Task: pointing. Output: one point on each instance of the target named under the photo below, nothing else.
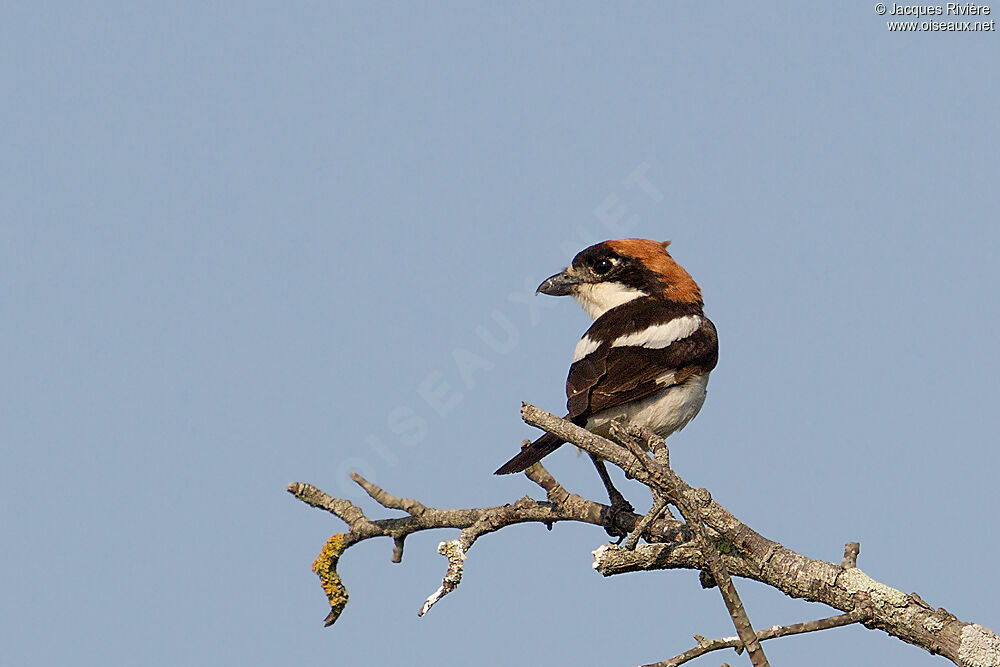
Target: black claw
(618, 506)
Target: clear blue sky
(236, 239)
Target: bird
(648, 354)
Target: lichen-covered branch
(473, 523)
(666, 483)
(669, 544)
(753, 556)
(455, 554)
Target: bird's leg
(618, 502)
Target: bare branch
(708, 645)
(664, 529)
(385, 499)
(340, 507)
(397, 548)
(754, 556)
(633, 538)
(473, 523)
(688, 503)
(455, 554)
(670, 545)
(851, 551)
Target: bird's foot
(618, 507)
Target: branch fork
(709, 540)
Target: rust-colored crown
(678, 283)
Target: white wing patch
(666, 378)
(584, 347)
(660, 336)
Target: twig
(340, 507)
(731, 598)
(386, 499)
(397, 548)
(666, 529)
(621, 434)
(708, 645)
(455, 554)
(633, 538)
(851, 551)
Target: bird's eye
(602, 266)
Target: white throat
(599, 298)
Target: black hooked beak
(560, 284)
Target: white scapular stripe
(660, 336)
(584, 347)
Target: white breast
(664, 412)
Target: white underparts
(666, 411)
(599, 298)
(660, 336)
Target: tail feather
(531, 454)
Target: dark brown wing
(612, 376)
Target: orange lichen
(325, 566)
